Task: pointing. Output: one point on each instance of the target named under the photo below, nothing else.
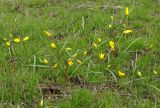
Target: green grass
(77, 24)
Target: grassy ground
(34, 74)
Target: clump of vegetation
(52, 48)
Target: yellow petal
(127, 11)
(101, 56)
(111, 44)
(53, 45)
(11, 35)
(45, 61)
(8, 44)
(47, 33)
(155, 72)
(55, 66)
(139, 74)
(26, 38)
(151, 46)
(108, 66)
(110, 26)
(17, 40)
(68, 49)
(80, 62)
(112, 18)
(5, 39)
(95, 45)
(121, 74)
(99, 40)
(127, 31)
(70, 62)
(41, 102)
(85, 52)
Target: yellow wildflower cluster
(100, 48)
(13, 39)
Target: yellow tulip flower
(112, 45)
(70, 62)
(127, 11)
(17, 40)
(128, 31)
(121, 74)
(101, 56)
(53, 45)
(8, 44)
(47, 33)
(26, 38)
(45, 61)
